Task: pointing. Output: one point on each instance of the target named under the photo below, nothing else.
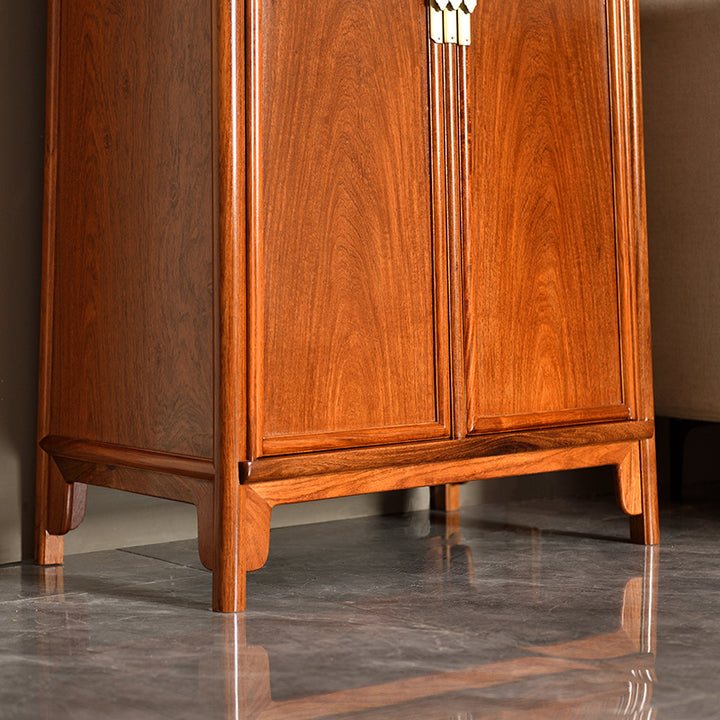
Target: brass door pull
(450, 21)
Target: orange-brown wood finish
(49, 540)
(290, 255)
(540, 251)
(352, 342)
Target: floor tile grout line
(130, 551)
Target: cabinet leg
(252, 532)
(445, 497)
(637, 492)
(206, 526)
(229, 527)
(59, 508)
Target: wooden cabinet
(298, 251)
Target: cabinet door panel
(351, 252)
(542, 318)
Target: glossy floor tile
(529, 610)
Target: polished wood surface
(291, 256)
(224, 530)
(493, 445)
(133, 302)
(540, 258)
(352, 274)
(49, 545)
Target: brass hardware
(464, 13)
(450, 26)
(450, 21)
(436, 20)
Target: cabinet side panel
(349, 258)
(133, 318)
(542, 319)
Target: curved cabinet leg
(206, 529)
(637, 492)
(257, 532)
(60, 507)
(49, 547)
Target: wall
(681, 84)
(22, 48)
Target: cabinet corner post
(230, 374)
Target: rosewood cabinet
(298, 251)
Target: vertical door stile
(443, 307)
(454, 154)
(464, 138)
(617, 86)
(254, 275)
(629, 208)
(646, 405)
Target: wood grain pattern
(231, 410)
(355, 460)
(133, 305)
(630, 211)
(155, 484)
(105, 453)
(540, 264)
(353, 279)
(355, 482)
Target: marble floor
(528, 610)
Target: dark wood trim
(432, 472)
(312, 442)
(181, 488)
(629, 205)
(48, 546)
(107, 454)
(504, 423)
(499, 444)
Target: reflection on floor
(526, 610)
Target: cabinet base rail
(268, 482)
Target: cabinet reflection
(601, 675)
(468, 639)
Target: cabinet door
(542, 316)
(350, 343)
